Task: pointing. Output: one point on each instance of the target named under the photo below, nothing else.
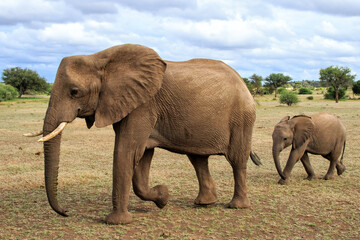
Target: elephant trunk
(51, 157)
(276, 154)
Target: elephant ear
(132, 75)
(285, 118)
(303, 128)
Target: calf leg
(334, 158)
(308, 168)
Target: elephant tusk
(53, 133)
(33, 134)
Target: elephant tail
(342, 156)
(255, 158)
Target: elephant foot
(206, 198)
(310, 177)
(239, 203)
(328, 177)
(283, 182)
(118, 218)
(340, 168)
(163, 195)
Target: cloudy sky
(296, 38)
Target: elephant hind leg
(334, 158)
(207, 189)
(340, 168)
(239, 199)
(330, 173)
(238, 155)
(158, 194)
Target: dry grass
(302, 210)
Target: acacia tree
(249, 85)
(277, 80)
(336, 77)
(24, 79)
(256, 82)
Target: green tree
(256, 82)
(249, 85)
(268, 89)
(24, 80)
(277, 80)
(336, 77)
(289, 98)
(330, 93)
(356, 88)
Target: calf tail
(342, 156)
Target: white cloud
(253, 36)
(333, 7)
(32, 11)
(59, 34)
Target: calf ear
(303, 128)
(285, 118)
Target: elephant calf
(321, 134)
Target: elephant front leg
(207, 189)
(158, 194)
(308, 168)
(122, 174)
(294, 157)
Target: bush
(281, 90)
(310, 98)
(330, 94)
(7, 92)
(289, 98)
(356, 88)
(305, 90)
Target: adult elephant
(321, 134)
(199, 107)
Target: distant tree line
(335, 79)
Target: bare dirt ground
(304, 209)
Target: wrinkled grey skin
(199, 108)
(320, 134)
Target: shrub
(289, 98)
(7, 92)
(305, 90)
(281, 90)
(356, 88)
(330, 94)
(310, 98)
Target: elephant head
(103, 88)
(295, 132)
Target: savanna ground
(304, 209)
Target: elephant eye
(74, 92)
(285, 139)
